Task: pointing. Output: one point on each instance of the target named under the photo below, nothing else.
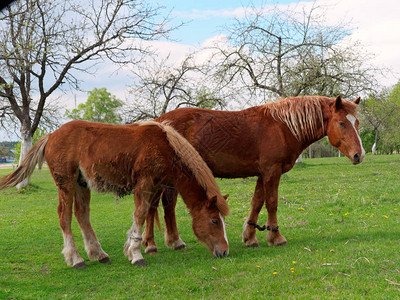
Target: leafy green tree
(100, 106)
(380, 114)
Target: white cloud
(374, 23)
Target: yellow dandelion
(293, 262)
(332, 250)
(300, 208)
(258, 266)
(275, 273)
(385, 216)
(331, 214)
(346, 214)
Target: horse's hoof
(140, 263)
(180, 247)
(251, 242)
(253, 245)
(80, 265)
(280, 243)
(105, 260)
(277, 241)
(151, 250)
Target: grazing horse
(262, 141)
(145, 158)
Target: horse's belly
(232, 167)
(108, 180)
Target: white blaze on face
(223, 225)
(353, 120)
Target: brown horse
(145, 158)
(262, 141)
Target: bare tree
(288, 54)
(44, 44)
(161, 87)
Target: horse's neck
(191, 191)
(300, 145)
(320, 132)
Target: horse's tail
(34, 157)
(192, 159)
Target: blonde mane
(302, 115)
(192, 159)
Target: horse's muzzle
(356, 159)
(218, 253)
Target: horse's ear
(212, 202)
(226, 196)
(338, 102)
(357, 101)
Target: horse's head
(209, 225)
(342, 129)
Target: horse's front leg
(249, 232)
(171, 237)
(134, 235)
(274, 237)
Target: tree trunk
(26, 144)
(375, 142)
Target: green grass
(341, 221)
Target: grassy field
(342, 223)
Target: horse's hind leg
(148, 235)
(64, 210)
(172, 238)
(82, 214)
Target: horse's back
(227, 140)
(110, 157)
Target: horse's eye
(215, 222)
(341, 124)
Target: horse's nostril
(221, 254)
(356, 157)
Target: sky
(375, 23)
